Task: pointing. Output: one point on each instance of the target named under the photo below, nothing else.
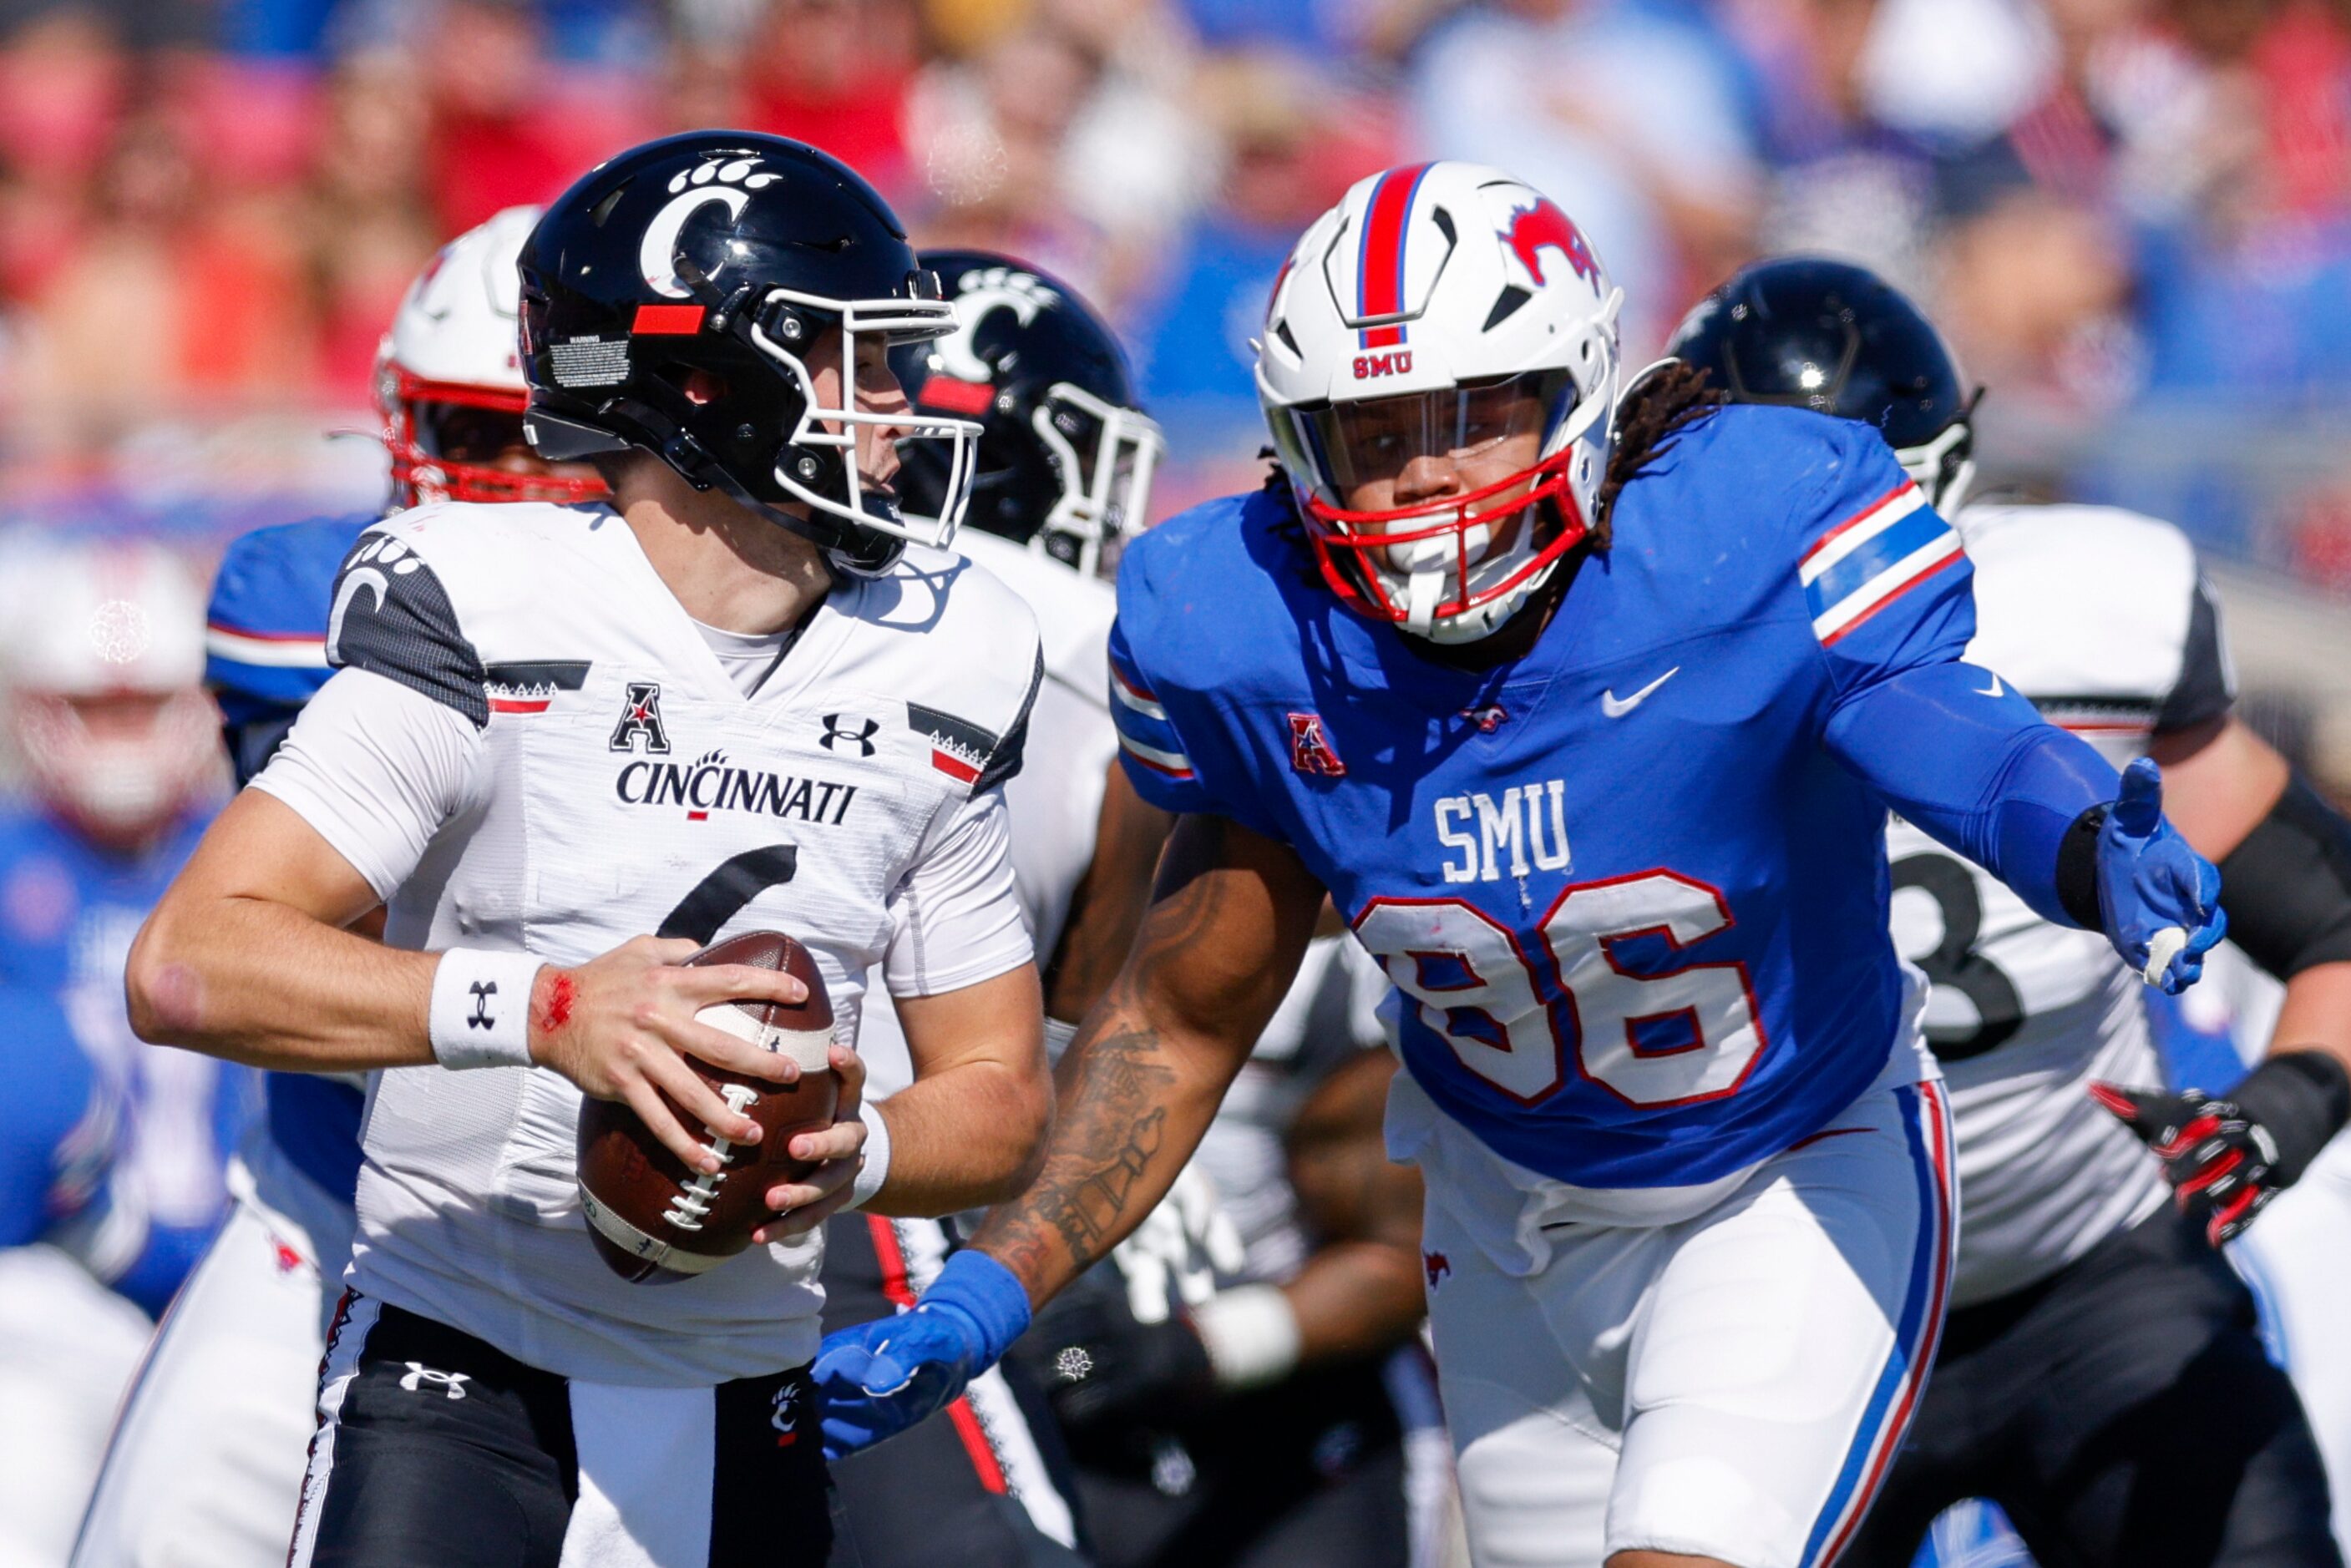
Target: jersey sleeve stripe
(280, 650)
(1858, 530)
(1916, 1335)
(1862, 567)
(1847, 615)
(1174, 764)
(1132, 696)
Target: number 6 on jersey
(1656, 1035)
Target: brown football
(652, 1218)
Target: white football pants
(2297, 1258)
(67, 1347)
(1731, 1384)
(205, 1467)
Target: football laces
(692, 1204)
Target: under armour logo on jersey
(1436, 1266)
(482, 991)
(1310, 750)
(837, 736)
(641, 718)
(451, 1384)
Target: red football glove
(2226, 1159)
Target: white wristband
(1057, 1036)
(873, 1168)
(480, 1015)
(1251, 1332)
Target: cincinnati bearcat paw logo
(731, 171)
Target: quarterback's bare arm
(245, 958)
(1228, 922)
(2284, 856)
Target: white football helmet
(104, 655)
(1414, 319)
(449, 379)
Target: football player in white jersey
(1064, 469)
(566, 746)
(206, 1461)
(2100, 1377)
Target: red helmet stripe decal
(1379, 268)
(958, 396)
(667, 320)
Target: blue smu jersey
(58, 1118)
(161, 1122)
(265, 629)
(1636, 908)
(264, 657)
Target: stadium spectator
(1627, 117)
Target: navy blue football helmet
(672, 300)
(1065, 457)
(1839, 339)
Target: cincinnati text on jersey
(710, 782)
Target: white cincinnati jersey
(1055, 804)
(2100, 618)
(530, 747)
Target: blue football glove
(2160, 899)
(879, 1378)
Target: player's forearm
(1137, 1094)
(1354, 1299)
(1232, 916)
(2316, 1014)
(1955, 751)
(266, 984)
(963, 1137)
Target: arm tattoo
(1113, 1126)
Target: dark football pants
(1308, 1473)
(951, 1488)
(434, 1447)
(2123, 1414)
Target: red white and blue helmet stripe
(1380, 253)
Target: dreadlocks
(1657, 408)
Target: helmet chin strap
(870, 555)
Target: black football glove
(2226, 1159)
(1105, 1372)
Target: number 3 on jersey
(1605, 985)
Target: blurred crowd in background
(2133, 216)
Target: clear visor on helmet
(840, 427)
(1373, 442)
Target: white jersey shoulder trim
(972, 649)
(1073, 611)
(2095, 613)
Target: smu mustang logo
(1544, 227)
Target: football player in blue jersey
(2074, 1273)
(1587, 717)
(181, 1477)
(111, 1151)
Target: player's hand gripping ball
(651, 1216)
(2161, 899)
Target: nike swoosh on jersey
(1995, 688)
(1617, 708)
